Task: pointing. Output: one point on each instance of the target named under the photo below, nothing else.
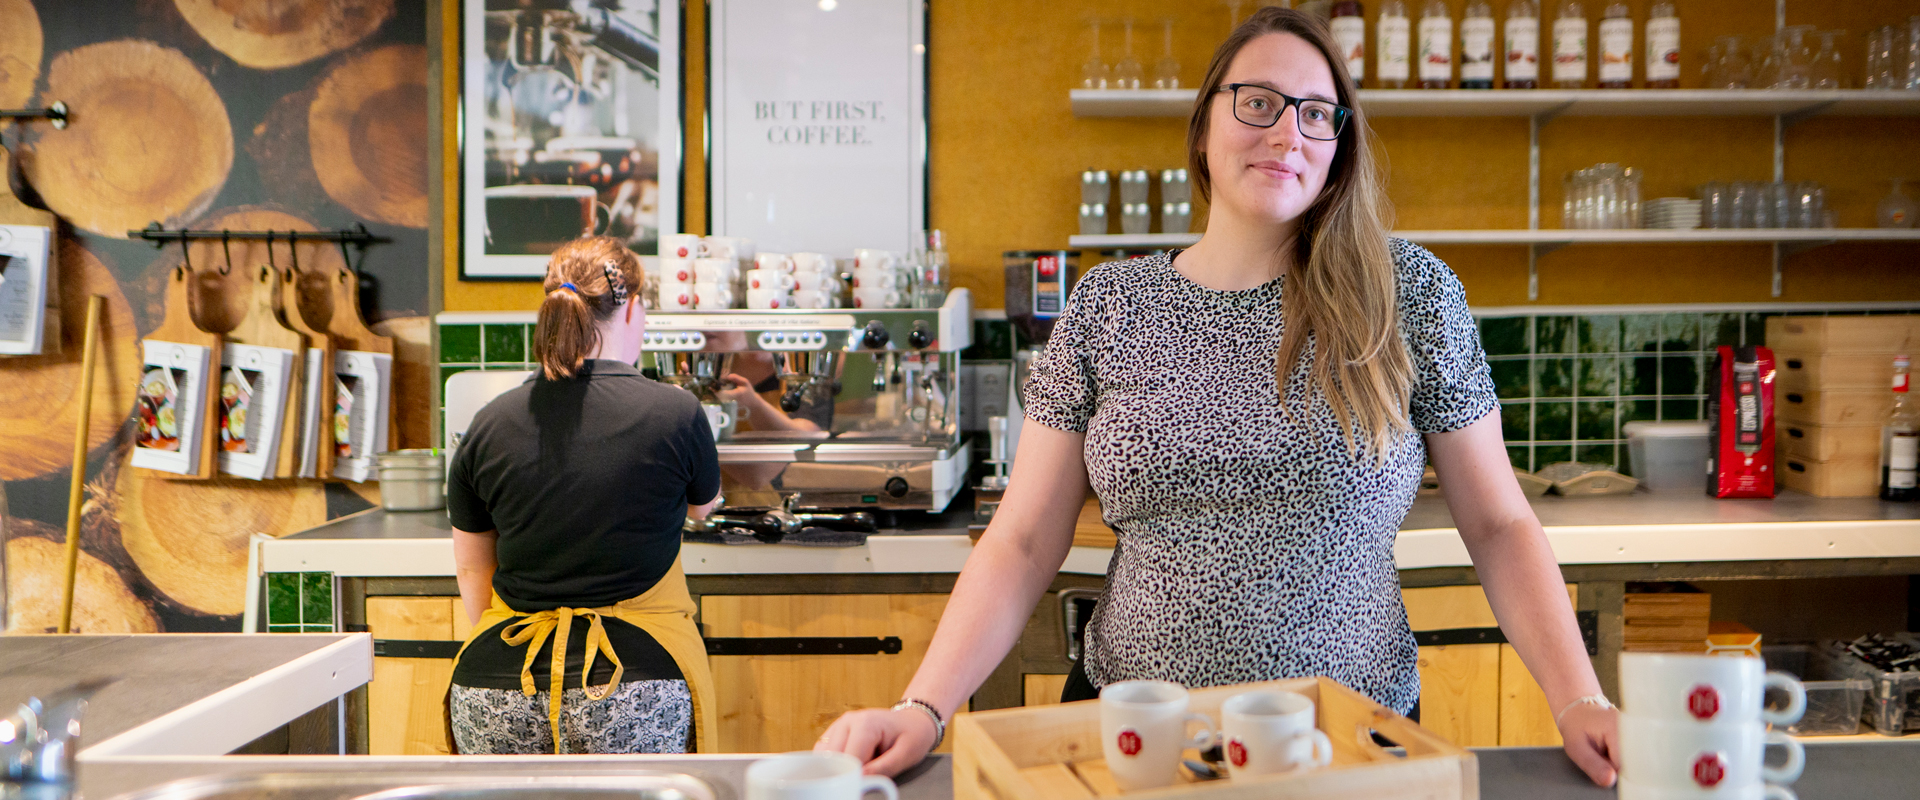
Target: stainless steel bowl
(412, 480)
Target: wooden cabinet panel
(1043, 690)
(771, 704)
(1525, 718)
(405, 700)
(1460, 691)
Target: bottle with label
(1436, 46)
(1393, 38)
(1663, 46)
(1900, 441)
(1523, 45)
(1570, 46)
(1476, 46)
(1616, 47)
(1350, 32)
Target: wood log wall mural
(204, 114)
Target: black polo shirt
(587, 481)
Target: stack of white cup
(880, 280)
(1695, 728)
(678, 252)
(701, 273)
(770, 282)
(816, 281)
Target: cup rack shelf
(1545, 104)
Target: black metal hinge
(1589, 622)
(415, 648)
(805, 646)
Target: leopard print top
(1253, 545)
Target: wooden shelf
(1546, 103)
(1558, 237)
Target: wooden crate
(1054, 752)
(1822, 443)
(1832, 372)
(1834, 408)
(1665, 622)
(1880, 333)
(1846, 477)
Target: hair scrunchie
(571, 287)
(615, 283)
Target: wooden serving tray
(1054, 752)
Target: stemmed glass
(1093, 72)
(1128, 72)
(1166, 72)
(1770, 58)
(1826, 73)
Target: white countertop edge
(216, 724)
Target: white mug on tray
(1271, 732)
(1143, 728)
(814, 776)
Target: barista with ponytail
(566, 498)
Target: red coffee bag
(1740, 409)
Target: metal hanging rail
(358, 235)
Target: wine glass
(1826, 73)
(1166, 72)
(1128, 72)
(1094, 73)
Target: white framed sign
(819, 123)
(572, 127)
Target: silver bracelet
(1589, 700)
(939, 725)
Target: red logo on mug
(1709, 769)
(1237, 752)
(1129, 742)
(1703, 702)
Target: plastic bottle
(1393, 37)
(1900, 441)
(1436, 46)
(1523, 45)
(1350, 32)
(1896, 211)
(1663, 46)
(1616, 47)
(1570, 46)
(1476, 46)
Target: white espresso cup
(682, 245)
(676, 296)
(718, 419)
(780, 262)
(1143, 728)
(1706, 689)
(770, 280)
(813, 282)
(1268, 733)
(878, 279)
(1688, 755)
(716, 270)
(769, 299)
(712, 296)
(814, 262)
(676, 270)
(1629, 790)
(734, 247)
(868, 258)
(878, 298)
(814, 776)
(812, 300)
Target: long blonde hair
(1342, 289)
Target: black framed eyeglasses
(1262, 107)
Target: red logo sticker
(1703, 702)
(1129, 742)
(1047, 266)
(1237, 752)
(1709, 769)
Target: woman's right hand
(886, 741)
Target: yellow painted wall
(1007, 152)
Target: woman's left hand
(1592, 735)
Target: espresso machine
(883, 386)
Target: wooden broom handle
(76, 489)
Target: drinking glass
(1912, 83)
(1569, 200)
(1714, 205)
(1630, 206)
(1094, 73)
(1713, 69)
(1796, 59)
(1879, 70)
(1128, 72)
(1781, 205)
(1770, 53)
(1166, 72)
(1810, 205)
(1736, 68)
(1826, 73)
(1742, 196)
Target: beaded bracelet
(1590, 700)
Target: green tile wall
(300, 602)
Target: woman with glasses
(1255, 413)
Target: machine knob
(790, 402)
(876, 336)
(896, 487)
(920, 337)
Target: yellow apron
(665, 612)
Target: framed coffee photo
(572, 115)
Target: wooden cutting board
(287, 307)
(180, 327)
(265, 327)
(15, 212)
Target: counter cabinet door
(406, 701)
(779, 703)
(1474, 694)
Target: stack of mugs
(700, 273)
(1695, 728)
(802, 280)
(881, 280)
(1143, 729)
(816, 281)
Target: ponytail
(587, 280)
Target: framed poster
(819, 123)
(572, 127)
